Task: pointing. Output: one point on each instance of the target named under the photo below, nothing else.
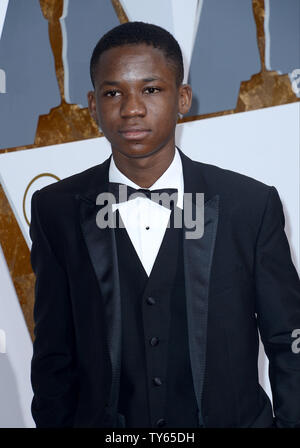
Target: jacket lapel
(198, 255)
(101, 245)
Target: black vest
(156, 386)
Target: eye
(112, 93)
(151, 90)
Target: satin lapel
(101, 246)
(198, 255)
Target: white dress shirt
(146, 221)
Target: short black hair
(134, 33)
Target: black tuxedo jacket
(239, 279)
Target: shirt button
(157, 381)
(151, 301)
(154, 341)
(161, 422)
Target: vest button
(151, 301)
(157, 381)
(154, 341)
(161, 422)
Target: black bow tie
(123, 193)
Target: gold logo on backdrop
(29, 185)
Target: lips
(134, 133)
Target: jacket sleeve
(278, 312)
(53, 367)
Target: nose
(133, 106)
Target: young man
(139, 325)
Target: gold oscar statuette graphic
(264, 89)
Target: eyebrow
(117, 83)
(156, 78)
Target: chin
(138, 153)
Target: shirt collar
(171, 178)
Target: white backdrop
(15, 388)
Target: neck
(144, 171)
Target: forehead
(129, 62)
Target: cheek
(163, 110)
(107, 115)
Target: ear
(184, 98)
(92, 105)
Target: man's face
(136, 100)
